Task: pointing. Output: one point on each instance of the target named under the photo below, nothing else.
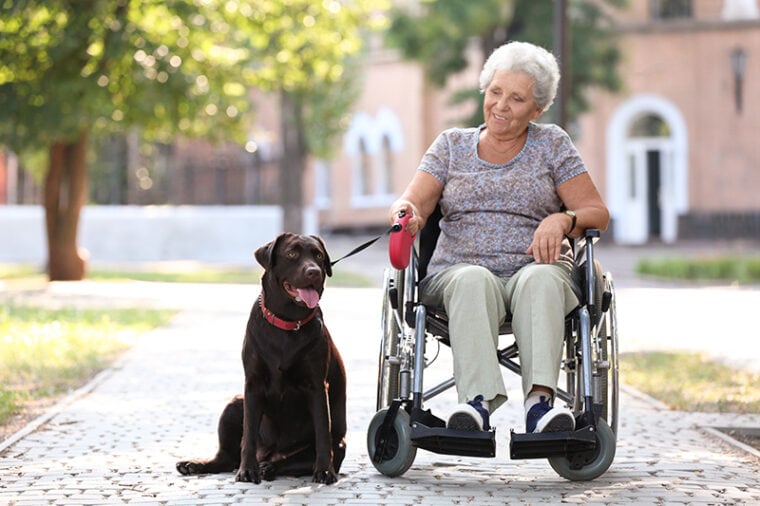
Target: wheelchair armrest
(590, 236)
(586, 268)
(590, 233)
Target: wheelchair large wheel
(609, 354)
(399, 452)
(388, 367)
(593, 464)
(604, 363)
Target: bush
(744, 270)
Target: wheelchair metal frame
(592, 385)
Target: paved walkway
(116, 440)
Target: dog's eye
(292, 254)
(320, 256)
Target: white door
(668, 191)
(648, 210)
(632, 222)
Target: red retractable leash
(399, 243)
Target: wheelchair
(589, 367)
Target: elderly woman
(510, 191)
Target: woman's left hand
(547, 239)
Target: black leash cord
(395, 228)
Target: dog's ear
(328, 263)
(265, 254)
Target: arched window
(371, 144)
(365, 168)
(387, 166)
(649, 125)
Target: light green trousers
(538, 297)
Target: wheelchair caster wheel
(399, 452)
(587, 466)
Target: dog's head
(297, 265)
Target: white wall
(126, 234)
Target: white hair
(533, 60)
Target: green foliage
(109, 64)
(593, 54)
(739, 269)
(437, 35)
(327, 110)
(168, 66)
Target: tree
(439, 42)
(304, 50)
(70, 69)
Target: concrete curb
(647, 399)
(734, 442)
(62, 404)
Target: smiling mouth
(306, 295)
(500, 118)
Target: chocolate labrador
(291, 420)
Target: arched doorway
(646, 170)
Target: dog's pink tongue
(309, 296)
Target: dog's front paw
(327, 476)
(267, 471)
(188, 467)
(248, 474)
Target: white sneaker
(544, 418)
(472, 416)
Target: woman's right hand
(418, 200)
(415, 223)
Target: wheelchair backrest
(428, 239)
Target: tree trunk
(292, 164)
(65, 193)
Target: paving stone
(118, 442)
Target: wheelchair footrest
(454, 442)
(551, 444)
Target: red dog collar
(279, 322)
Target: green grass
(196, 274)
(45, 352)
(14, 271)
(737, 269)
(691, 382)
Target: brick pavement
(117, 440)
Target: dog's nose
(313, 272)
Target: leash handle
(400, 244)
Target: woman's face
(508, 105)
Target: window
(386, 165)
(322, 186)
(670, 9)
(365, 168)
(649, 125)
(372, 143)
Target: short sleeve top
(491, 211)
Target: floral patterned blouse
(490, 211)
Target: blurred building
(397, 117)
(675, 153)
(679, 145)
